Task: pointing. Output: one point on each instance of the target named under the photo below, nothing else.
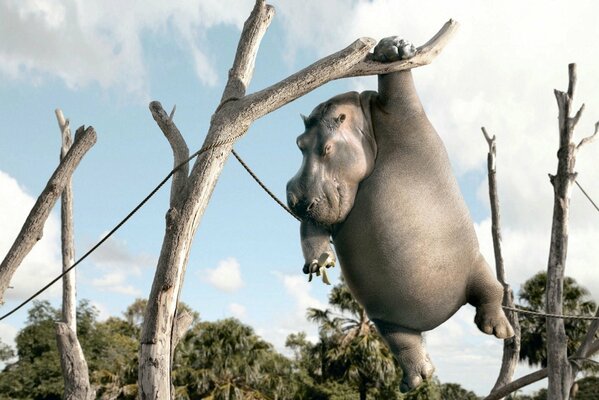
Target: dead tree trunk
(32, 229)
(561, 374)
(511, 346)
(561, 370)
(190, 194)
(72, 361)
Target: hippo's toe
(491, 319)
(416, 372)
(393, 48)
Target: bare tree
(561, 369)
(74, 367)
(32, 229)
(190, 193)
(511, 346)
(561, 372)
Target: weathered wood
(536, 376)
(354, 60)
(179, 147)
(511, 346)
(229, 122)
(69, 289)
(74, 367)
(72, 361)
(32, 229)
(560, 372)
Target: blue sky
(102, 62)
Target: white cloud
(116, 264)
(226, 276)
(43, 263)
(115, 282)
(237, 310)
(84, 42)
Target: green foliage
(534, 334)
(218, 360)
(453, 391)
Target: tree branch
(69, 289)
(254, 29)
(178, 145)
(352, 61)
(511, 346)
(425, 55)
(32, 229)
(589, 139)
(536, 376)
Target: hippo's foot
(406, 345)
(392, 49)
(318, 267)
(416, 366)
(491, 319)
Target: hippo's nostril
(311, 205)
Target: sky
(102, 62)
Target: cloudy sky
(101, 62)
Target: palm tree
(350, 348)
(534, 335)
(226, 360)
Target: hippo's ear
(305, 119)
(340, 118)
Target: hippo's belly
(407, 247)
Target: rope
(263, 186)
(123, 221)
(545, 315)
(587, 196)
(273, 196)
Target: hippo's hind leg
(407, 346)
(486, 294)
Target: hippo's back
(408, 244)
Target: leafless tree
(191, 192)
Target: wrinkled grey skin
(376, 177)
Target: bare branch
(574, 120)
(182, 324)
(74, 366)
(424, 56)
(536, 376)
(352, 61)
(32, 229)
(511, 346)
(69, 290)
(241, 73)
(492, 149)
(589, 139)
(178, 145)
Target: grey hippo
(376, 178)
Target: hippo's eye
(326, 150)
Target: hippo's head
(339, 150)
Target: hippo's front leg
(316, 248)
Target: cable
(122, 222)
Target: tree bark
(74, 367)
(32, 229)
(511, 346)
(69, 289)
(560, 372)
(230, 121)
(72, 360)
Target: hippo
(376, 178)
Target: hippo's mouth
(331, 207)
